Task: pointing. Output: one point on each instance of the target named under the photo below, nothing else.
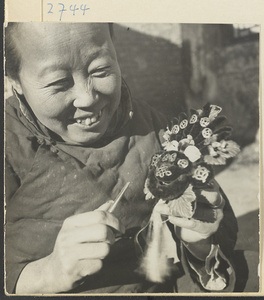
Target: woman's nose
(85, 95)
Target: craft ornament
(179, 173)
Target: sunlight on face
(70, 77)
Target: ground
(240, 181)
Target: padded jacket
(47, 181)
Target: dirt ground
(240, 182)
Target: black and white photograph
(131, 158)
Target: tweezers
(118, 198)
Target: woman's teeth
(89, 121)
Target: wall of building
(174, 66)
(222, 70)
(150, 60)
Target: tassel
(160, 246)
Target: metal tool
(118, 198)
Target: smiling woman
(72, 143)
(71, 79)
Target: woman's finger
(94, 217)
(189, 235)
(88, 267)
(92, 233)
(183, 222)
(106, 205)
(198, 226)
(91, 251)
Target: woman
(73, 139)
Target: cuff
(13, 272)
(215, 273)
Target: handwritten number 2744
(72, 8)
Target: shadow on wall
(221, 69)
(152, 68)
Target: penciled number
(61, 8)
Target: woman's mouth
(88, 121)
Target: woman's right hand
(82, 243)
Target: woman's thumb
(106, 205)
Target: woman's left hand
(192, 230)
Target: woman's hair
(12, 56)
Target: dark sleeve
(12, 180)
(12, 183)
(18, 160)
(226, 235)
(13, 272)
(216, 272)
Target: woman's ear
(16, 85)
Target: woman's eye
(103, 72)
(62, 84)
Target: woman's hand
(82, 243)
(192, 230)
(195, 234)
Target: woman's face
(70, 77)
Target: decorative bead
(175, 129)
(183, 124)
(193, 119)
(162, 171)
(172, 157)
(207, 132)
(201, 173)
(168, 173)
(204, 122)
(165, 157)
(155, 160)
(183, 163)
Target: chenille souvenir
(179, 174)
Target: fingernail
(110, 202)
